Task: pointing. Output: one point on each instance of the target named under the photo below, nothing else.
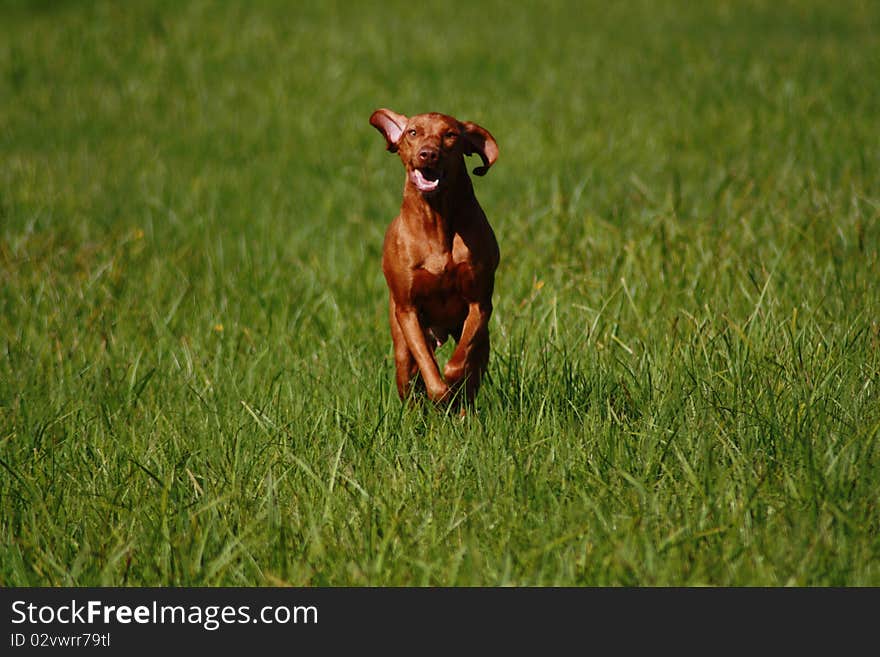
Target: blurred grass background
(196, 385)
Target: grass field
(196, 382)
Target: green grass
(196, 382)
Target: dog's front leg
(471, 355)
(408, 320)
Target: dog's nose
(428, 155)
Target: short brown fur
(440, 255)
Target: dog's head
(432, 146)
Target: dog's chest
(442, 286)
(439, 265)
(442, 274)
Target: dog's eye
(451, 136)
(412, 132)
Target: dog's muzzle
(426, 179)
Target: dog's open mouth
(426, 179)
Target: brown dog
(440, 254)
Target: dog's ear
(478, 140)
(390, 124)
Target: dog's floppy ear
(478, 140)
(390, 124)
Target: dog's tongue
(424, 183)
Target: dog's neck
(438, 211)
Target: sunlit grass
(196, 383)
